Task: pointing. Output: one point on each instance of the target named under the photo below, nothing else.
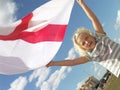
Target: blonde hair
(77, 47)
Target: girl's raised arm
(96, 24)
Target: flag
(34, 40)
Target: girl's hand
(51, 63)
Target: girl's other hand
(51, 63)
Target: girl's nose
(86, 42)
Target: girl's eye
(83, 43)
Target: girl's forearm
(61, 63)
(76, 61)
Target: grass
(113, 83)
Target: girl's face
(86, 41)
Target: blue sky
(60, 78)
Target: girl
(91, 47)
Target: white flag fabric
(33, 41)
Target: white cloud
(54, 80)
(42, 72)
(42, 77)
(117, 24)
(71, 54)
(7, 11)
(45, 86)
(18, 84)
